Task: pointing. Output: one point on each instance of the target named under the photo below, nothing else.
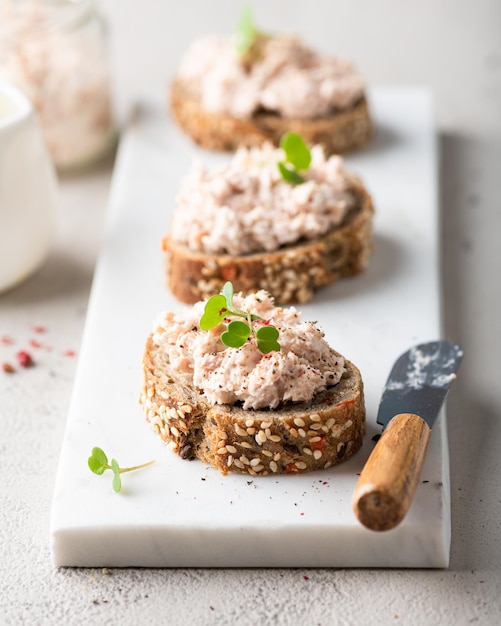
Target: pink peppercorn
(24, 358)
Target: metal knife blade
(419, 381)
(412, 399)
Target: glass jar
(55, 51)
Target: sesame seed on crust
(219, 435)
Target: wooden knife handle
(386, 486)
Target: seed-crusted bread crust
(342, 131)
(291, 274)
(294, 438)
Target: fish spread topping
(304, 365)
(246, 206)
(286, 77)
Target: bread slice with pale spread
(226, 94)
(188, 373)
(245, 223)
(292, 273)
(339, 132)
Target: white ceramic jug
(27, 190)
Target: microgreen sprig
(247, 33)
(220, 307)
(297, 158)
(98, 463)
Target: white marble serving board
(180, 514)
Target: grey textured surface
(455, 47)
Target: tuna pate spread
(247, 207)
(304, 366)
(286, 78)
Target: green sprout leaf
(246, 31)
(98, 461)
(297, 158)
(220, 307)
(290, 175)
(266, 338)
(296, 151)
(227, 291)
(236, 334)
(98, 464)
(215, 311)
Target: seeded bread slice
(340, 132)
(290, 274)
(292, 439)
